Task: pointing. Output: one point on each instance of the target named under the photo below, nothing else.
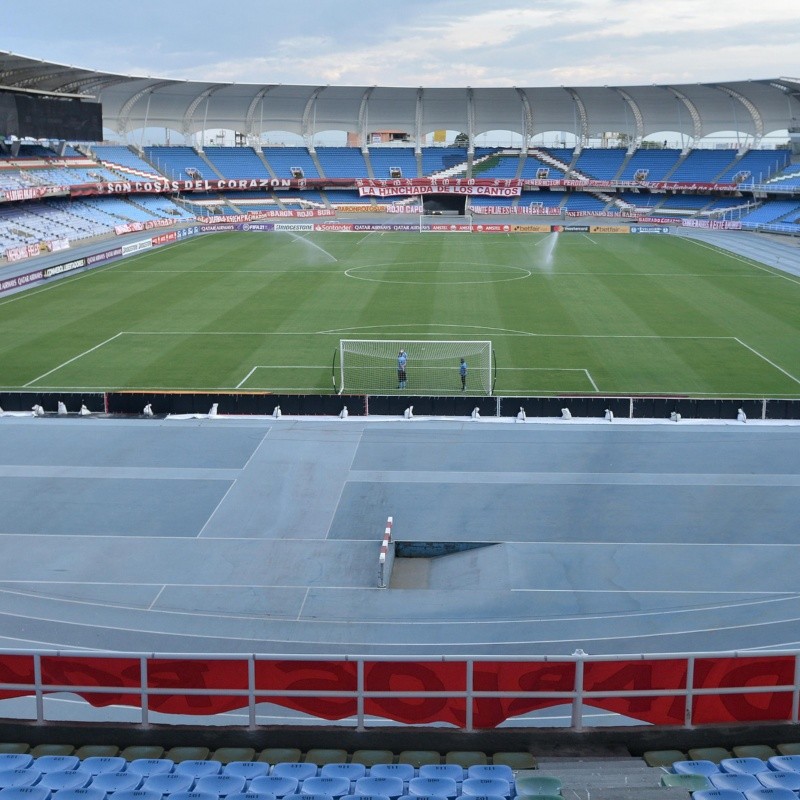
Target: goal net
(416, 367)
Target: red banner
(725, 689)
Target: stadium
(409, 466)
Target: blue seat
(784, 763)
(247, 796)
(25, 793)
(502, 771)
(335, 787)
(435, 787)
(117, 781)
(454, 771)
(770, 794)
(15, 761)
(738, 781)
(18, 777)
(350, 771)
(273, 784)
(477, 787)
(221, 785)
(66, 779)
(695, 768)
(718, 794)
(246, 769)
(194, 796)
(150, 766)
(773, 779)
(743, 766)
(134, 794)
(390, 787)
(56, 763)
(98, 764)
(86, 793)
(167, 783)
(299, 770)
(311, 797)
(199, 769)
(374, 797)
(403, 771)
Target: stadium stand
(237, 162)
(124, 160)
(175, 161)
(603, 164)
(386, 159)
(755, 166)
(772, 211)
(342, 162)
(654, 164)
(436, 160)
(703, 165)
(284, 160)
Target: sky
(415, 42)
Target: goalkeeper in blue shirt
(462, 371)
(402, 359)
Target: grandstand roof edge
(756, 106)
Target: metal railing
(468, 693)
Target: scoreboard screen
(50, 118)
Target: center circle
(440, 273)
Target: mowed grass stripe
(671, 328)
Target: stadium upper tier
(754, 108)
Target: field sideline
(566, 313)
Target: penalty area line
(771, 363)
(74, 358)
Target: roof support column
(309, 124)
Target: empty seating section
(693, 202)
(789, 177)
(755, 166)
(284, 160)
(497, 166)
(534, 168)
(237, 162)
(124, 160)
(602, 164)
(655, 163)
(773, 211)
(641, 199)
(583, 201)
(476, 201)
(342, 162)
(440, 159)
(346, 196)
(563, 154)
(703, 165)
(174, 161)
(386, 159)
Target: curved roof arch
(130, 102)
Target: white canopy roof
(753, 108)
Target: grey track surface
(233, 535)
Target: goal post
(427, 367)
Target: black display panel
(50, 118)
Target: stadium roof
(753, 108)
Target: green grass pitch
(566, 313)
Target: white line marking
(771, 363)
(74, 358)
(591, 380)
(586, 235)
(160, 591)
(246, 377)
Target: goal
(432, 367)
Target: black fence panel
(25, 401)
(783, 409)
(586, 407)
(694, 408)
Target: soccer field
(566, 313)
